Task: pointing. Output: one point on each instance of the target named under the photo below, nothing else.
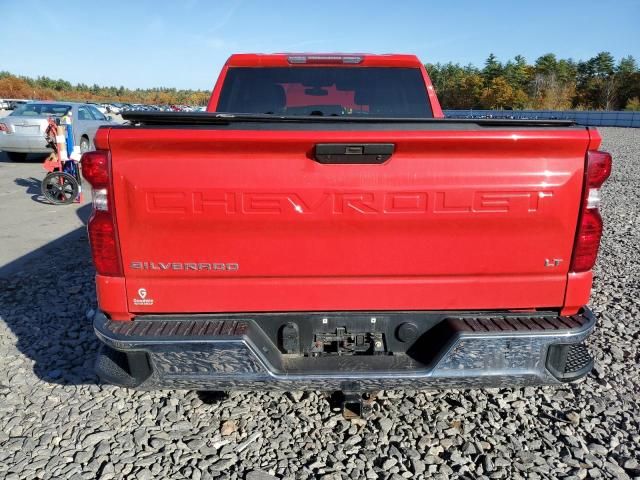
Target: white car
(23, 131)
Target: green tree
(547, 64)
(517, 72)
(492, 68)
(596, 83)
(627, 81)
(447, 79)
(566, 70)
(603, 64)
(500, 94)
(627, 65)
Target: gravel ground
(56, 421)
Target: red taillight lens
(587, 241)
(598, 168)
(104, 244)
(103, 235)
(3, 127)
(587, 244)
(95, 168)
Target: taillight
(103, 235)
(3, 127)
(104, 244)
(95, 168)
(589, 233)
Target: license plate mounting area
(343, 343)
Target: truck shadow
(46, 297)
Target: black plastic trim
(569, 362)
(213, 118)
(353, 153)
(128, 369)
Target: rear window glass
(35, 109)
(326, 91)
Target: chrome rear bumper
(457, 349)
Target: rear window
(326, 91)
(36, 109)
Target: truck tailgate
(230, 220)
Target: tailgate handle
(359, 153)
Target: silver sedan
(22, 132)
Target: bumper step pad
(569, 362)
(518, 323)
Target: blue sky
(183, 43)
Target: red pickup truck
(322, 226)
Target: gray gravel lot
(56, 421)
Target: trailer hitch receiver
(353, 404)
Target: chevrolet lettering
(210, 202)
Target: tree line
(45, 88)
(599, 83)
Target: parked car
(13, 104)
(101, 108)
(137, 107)
(4, 105)
(22, 131)
(113, 108)
(341, 234)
